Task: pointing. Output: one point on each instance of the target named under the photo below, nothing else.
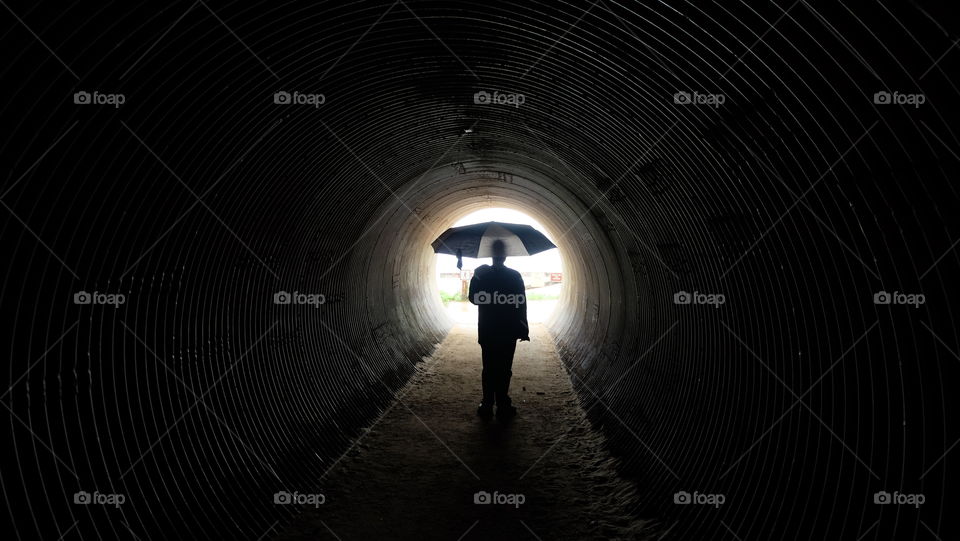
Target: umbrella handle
(459, 259)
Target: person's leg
(504, 372)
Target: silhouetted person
(499, 295)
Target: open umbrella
(475, 240)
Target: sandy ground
(415, 472)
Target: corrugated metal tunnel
(799, 196)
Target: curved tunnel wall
(200, 199)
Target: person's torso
(499, 299)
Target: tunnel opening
(542, 273)
(599, 262)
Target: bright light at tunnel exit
(542, 273)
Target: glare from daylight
(542, 273)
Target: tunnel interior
(202, 197)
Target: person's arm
(523, 310)
(475, 286)
(473, 289)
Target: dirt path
(415, 474)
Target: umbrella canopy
(476, 240)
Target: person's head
(499, 250)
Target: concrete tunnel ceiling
(200, 198)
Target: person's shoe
(485, 411)
(506, 412)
